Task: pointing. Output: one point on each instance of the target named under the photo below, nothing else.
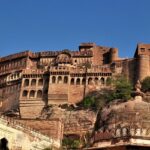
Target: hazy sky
(63, 24)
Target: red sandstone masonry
(102, 63)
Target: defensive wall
(37, 79)
(23, 137)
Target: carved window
(90, 81)
(53, 79)
(102, 80)
(39, 94)
(40, 83)
(72, 81)
(33, 82)
(32, 94)
(66, 79)
(96, 81)
(124, 131)
(78, 81)
(118, 132)
(26, 82)
(59, 79)
(25, 93)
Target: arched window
(39, 94)
(90, 81)
(33, 82)
(53, 79)
(59, 79)
(78, 81)
(96, 81)
(72, 81)
(83, 81)
(118, 132)
(40, 82)
(102, 80)
(25, 93)
(26, 82)
(124, 131)
(32, 94)
(66, 79)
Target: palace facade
(32, 80)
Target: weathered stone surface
(51, 127)
(24, 137)
(75, 121)
(125, 123)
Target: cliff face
(77, 122)
(134, 112)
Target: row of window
(33, 82)
(78, 81)
(65, 80)
(13, 76)
(12, 64)
(32, 94)
(11, 89)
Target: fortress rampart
(37, 79)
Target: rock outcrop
(124, 123)
(75, 121)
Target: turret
(143, 66)
(113, 54)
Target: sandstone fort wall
(31, 81)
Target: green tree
(88, 102)
(109, 81)
(146, 84)
(123, 88)
(70, 143)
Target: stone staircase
(23, 137)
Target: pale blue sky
(60, 24)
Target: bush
(146, 84)
(122, 89)
(70, 143)
(109, 81)
(88, 102)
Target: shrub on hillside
(70, 143)
(122, 89)
(146, 84)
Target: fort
(36, 79)
(31, 82)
